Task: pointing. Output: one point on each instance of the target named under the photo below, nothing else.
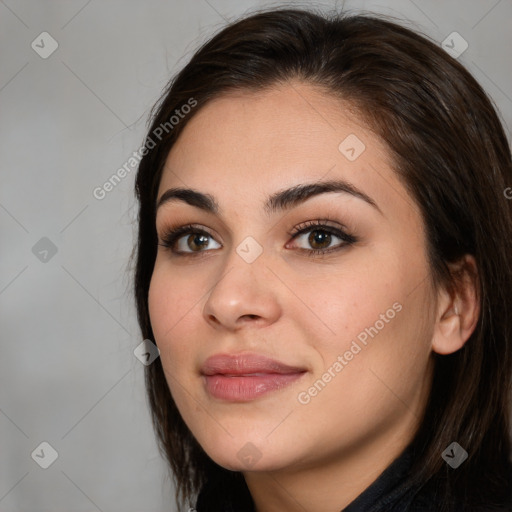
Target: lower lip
(247, 388)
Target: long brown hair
(450, 150)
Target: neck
(332, 482)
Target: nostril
(213, 318)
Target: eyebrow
(279, 201)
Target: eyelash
(172, 235)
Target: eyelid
(323, 222)
(171, 235)
(176, 232)
(340, 231)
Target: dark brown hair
(450, 151)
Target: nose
(245, 294)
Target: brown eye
(187, 240)
(319, 239)
(196, 241)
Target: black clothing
(390, 492)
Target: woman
(323, 263)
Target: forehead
(250, 144)
(295, 122)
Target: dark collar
(391, 487)
(392, 491)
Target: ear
(458, 310)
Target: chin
(251, 461)
(245, 453)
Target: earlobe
(458, 312)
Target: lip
(244, 377)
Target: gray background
(68, 375)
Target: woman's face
(346, 304)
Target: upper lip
(242, 364)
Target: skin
(302, 310)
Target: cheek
(171, 302)
(171, 297)
(375, 323)
(348, 302)
(161, 305)
(173, 317)
(374, 367)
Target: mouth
(242, 388)
(245, 377)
